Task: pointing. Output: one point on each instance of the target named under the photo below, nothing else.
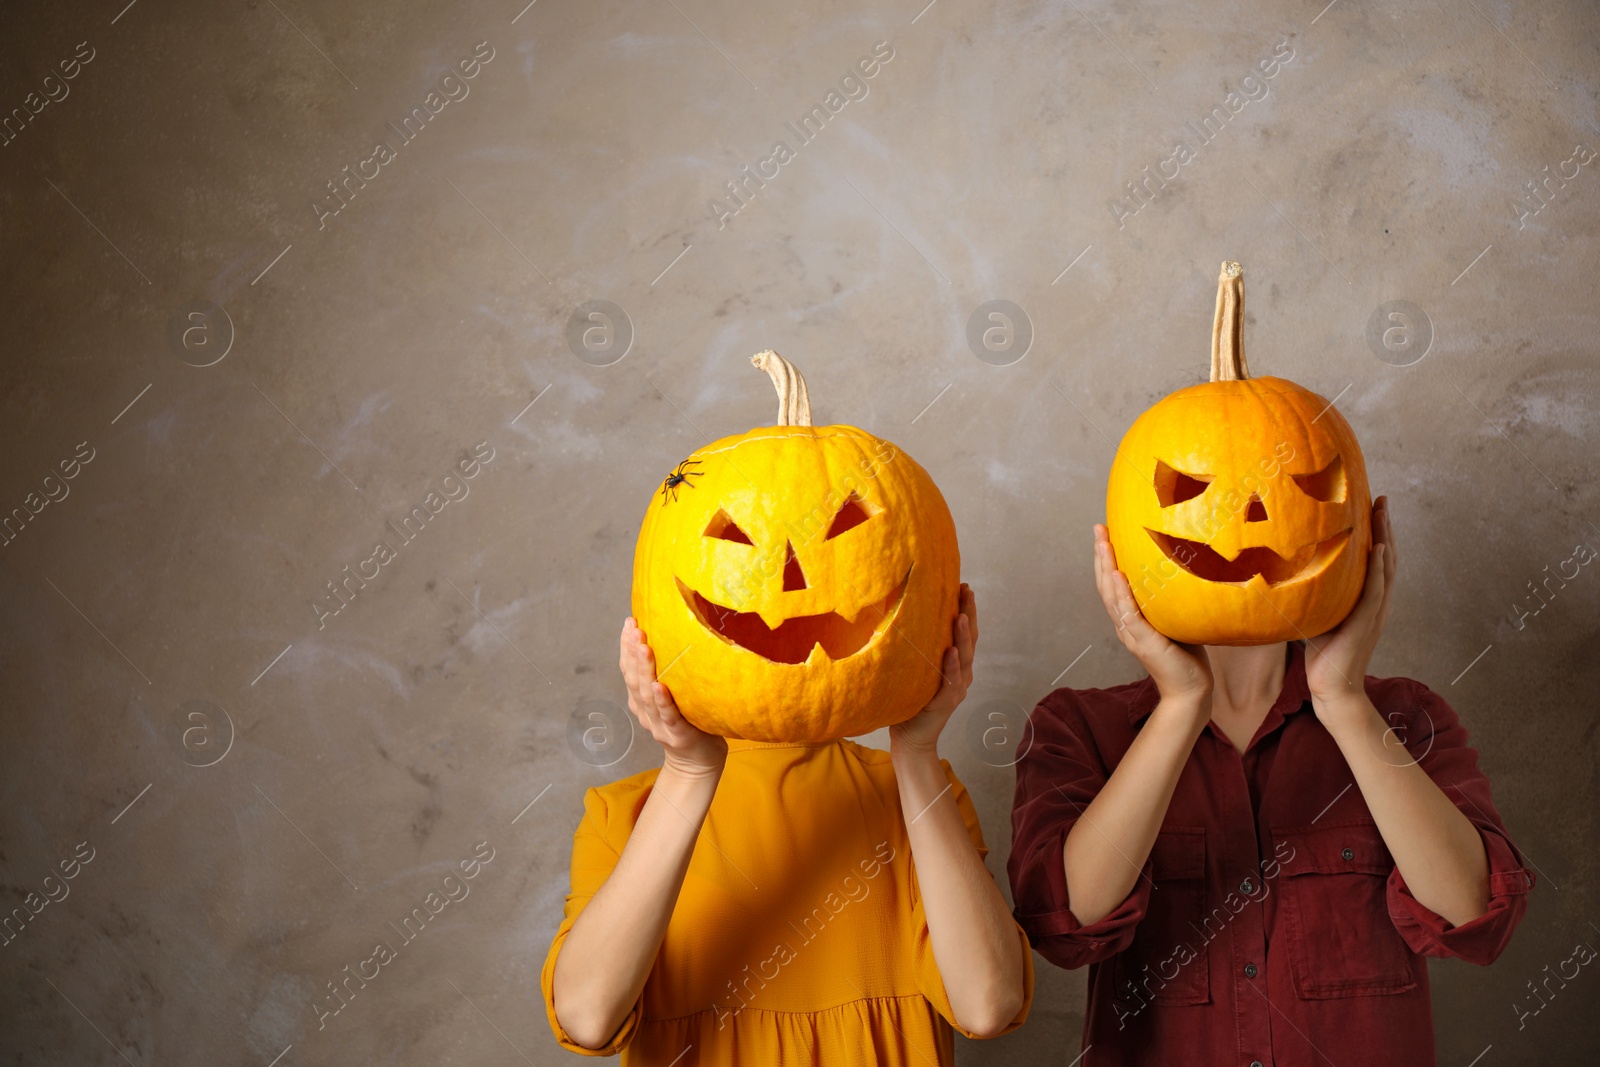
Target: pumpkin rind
(783, 486)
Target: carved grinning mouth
(792, 640)
(1203, 561)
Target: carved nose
(794, 579)
(1257, 511)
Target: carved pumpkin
(797, 582)
(1238, 508)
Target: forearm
(1438, 850)
(975, 941)
(1106, 849)
(613, 944)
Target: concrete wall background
(354, 764)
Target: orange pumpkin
(797, 582)
(1238, 508)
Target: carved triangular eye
(1174, 486)
(723, 527)
(851, 513)
(1327, 484)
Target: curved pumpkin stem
(794, 405)
(1227, 332)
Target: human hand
(690, 751)
(1336, 662)
(920, 733)
(1181, 672)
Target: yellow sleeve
(928, 978)
(593, 859)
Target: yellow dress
(799, 936)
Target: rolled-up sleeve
(1059, 775)
(1439, 742)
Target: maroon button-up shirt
(1269, 924)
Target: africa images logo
(453, 88)
(1142, 193)
(343, 592)
(852, 88)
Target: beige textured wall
(355, 759)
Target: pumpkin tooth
(875, 613)
(772, 618)
(1204, 561)
(794, 639)
(872, 612)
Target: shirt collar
(1292, 698)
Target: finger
(1125, 604)
(965, 653)
(643, 676)
(969, 607)
(1387, 576)
(649, 713)
(948, 665)
(1105, 558)
(1382, 532)
(1099, 561)
(667, 709)
(660, 696)
(1393, 560)
(964, 644)
(950, 671)
(1111, 551)
(1373, 594)
(1103, 571)
(626, 660)
(1129, 618)
(642, 711)
(1386, 529)
(646, 666)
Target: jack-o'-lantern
(1238, 507)
(797, 582)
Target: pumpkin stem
(1227, 332)
(794, 405)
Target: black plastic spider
(680, 476)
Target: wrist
(689, 776)
(1335, 684)
(689, 792)
(1346, 715)
(1192, 709)
(904, 750)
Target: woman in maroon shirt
(1253, 847)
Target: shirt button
(1348, 854)
(1249, 970)
(1255, 1063)
(1247, 887)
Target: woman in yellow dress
(785, 903)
